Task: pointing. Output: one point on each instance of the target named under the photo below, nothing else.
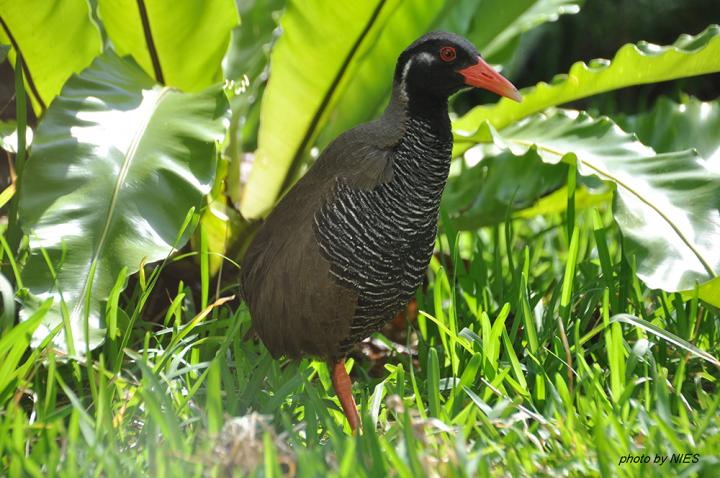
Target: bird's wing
(296, 306)
(372, 167)
(361, 157)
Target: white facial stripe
(424, 57)
(406, 68)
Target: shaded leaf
(246, 65)
(633, 64)
(481, 195)
(56, 39)
(501, 22)
(251, 40)
(179, 44)
(667, 205)
(666, 336)
(116, 165)
(671, 126)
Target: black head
(439, 64)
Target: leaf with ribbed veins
(117, 163)
(667, 205)
(312, 61)
(633, 64)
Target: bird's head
(439, 64)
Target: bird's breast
(379, 241)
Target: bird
(346, 248)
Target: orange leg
(343, 389)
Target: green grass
(522, 366)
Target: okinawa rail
(347, 247)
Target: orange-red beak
(481, 75)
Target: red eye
(447, 53)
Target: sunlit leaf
(311, 62)
(7, 315)
(56, 39)
(116, 165)
(633, 64)
(671, 126)
(369, 86)
(709, 292)
(180, 44)
(557, 201)
(222, 225)
(667, 205)
(8, 136)
(323, 102)
(14, 342)
(490, 25)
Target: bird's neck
(423, 150)
(408, 108)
